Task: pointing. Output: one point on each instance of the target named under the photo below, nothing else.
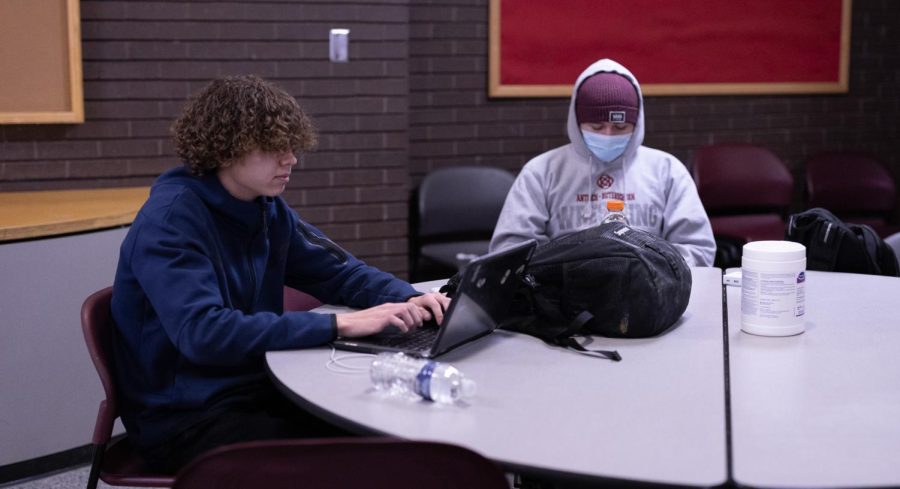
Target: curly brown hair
(234, 116)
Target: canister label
(773, 298)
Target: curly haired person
(198, 293)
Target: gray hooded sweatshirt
(565, 190)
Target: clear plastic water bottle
(615, 212)
(404, 376)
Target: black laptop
(481, 302)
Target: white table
(656, 416)
(820, 409)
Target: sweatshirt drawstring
(588, 211)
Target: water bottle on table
(615, 209)
(408, 377)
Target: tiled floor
(70, 479)
(73, 479)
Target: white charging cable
(350, 363)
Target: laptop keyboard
(420, 339)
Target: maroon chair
(746, 191)
(855, 187)
(360, 463)
(116, 463)
(294, 300)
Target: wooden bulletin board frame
(548, 44)
(40, 62)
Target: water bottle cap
(467, 388)
(615, 205)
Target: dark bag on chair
(610, 280)
(835, 246)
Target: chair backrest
(115, 463)
(741, 178)
(461, 200)
(359, 463)
(294, 300)
(848, 183)
(97, 326)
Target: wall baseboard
(45, 465)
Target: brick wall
(452, 120)
(143, 59)
(413, 98)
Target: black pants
(265, 418)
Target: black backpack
(835, 246)
(609, 280)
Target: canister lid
(774, 250)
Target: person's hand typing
(432, 304)
(404, 315)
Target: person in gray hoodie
(566, 189)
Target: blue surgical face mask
(606, 148)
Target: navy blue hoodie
(198, 299)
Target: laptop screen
(483, 296)
(481, 302)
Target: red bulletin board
(683, 47)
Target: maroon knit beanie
(606, 97)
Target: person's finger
(438, 313)
(430, 300)
(417, 313)
(397, 321)
(405, 313)
(425, 313)
(441, 303)
(432, 309)
(439, 298)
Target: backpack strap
(571, 343)
(560, 336)
(449, 288)
(566, 339)
(870, 242)
(821, 233)
(573, 330)
(536, 316)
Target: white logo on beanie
(617, 116)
